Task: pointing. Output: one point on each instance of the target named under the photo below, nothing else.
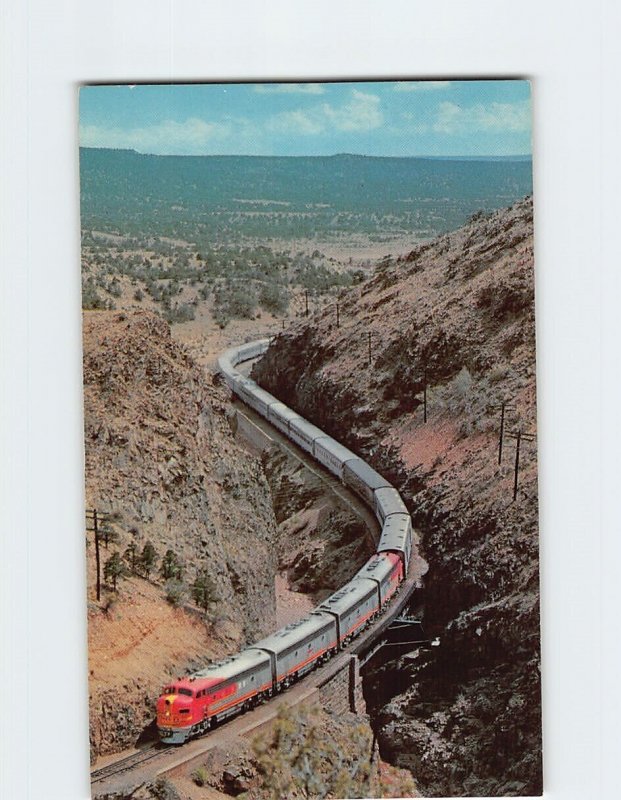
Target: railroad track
(128, 763)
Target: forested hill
(219, 197)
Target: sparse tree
(171, 566)
(130, 555)
(114, 569)
(107, 534)
(204, 590)
(148, 557)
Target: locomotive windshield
(187, 692)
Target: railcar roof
(261, 394)
(394, 531)
(231, 355)
(342, 600)
(378, 566)
(258, 345)
(390, 500)
(367, 474)
(307, 428)
(284, 412)
(229, 667)
(294, 632)
(336, 448)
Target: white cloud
(290, 88)
(361, 113)
(176, 138)
(301, 122)
(421, 86)
(495, 117)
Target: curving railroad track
(129, 763)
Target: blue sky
(397, 118)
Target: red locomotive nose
(174, 708)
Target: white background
(47, 49)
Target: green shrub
(234, 300)
(274, 298)
(199, 776)
(181, 313)
(163, 789)
(90, 297)
(175, 592)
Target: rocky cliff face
(160, 457)
(454, 319)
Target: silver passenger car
(388, 501)
(363, 479)
(281, 415)
(296, 649)
(259, 399)
(226, 365)
(243, 387)
(397, 537)
(332, 454)
(386, 570)
(251, 350)
(304, 433)
(352, 606)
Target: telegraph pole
(369, 341)
(338, 321)
(95, 518)
(504, 407)
(518, 436)
(306, 301)
(97, 557)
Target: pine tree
(171, 566)
(204, 590)
(148, 557)
(114, 569)
(107, 534)
(130, 555)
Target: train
(192, 705)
